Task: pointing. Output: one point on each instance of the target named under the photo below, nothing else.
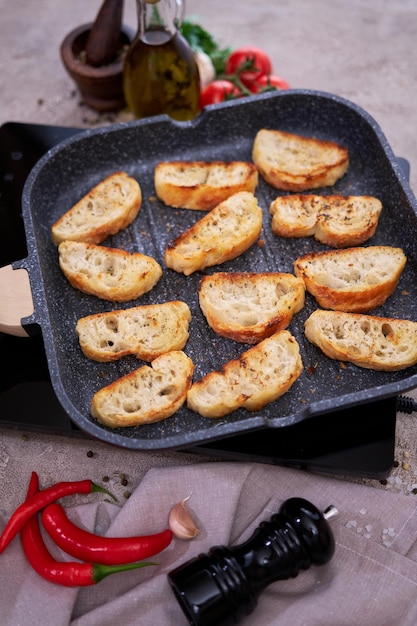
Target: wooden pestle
(104, 37)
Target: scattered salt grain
(363, 511)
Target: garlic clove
(181, 522)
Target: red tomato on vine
(218, 91)
(250, 63)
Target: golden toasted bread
(337, 221)
(248, 307)
(108, 273)
(296, 163)
(109, 207)
(377, 343)
(223, 234)
(145, 331)
(353, 279)
(260, 375)
(202, 185)
(146, 395)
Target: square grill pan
(222, 132)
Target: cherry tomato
(256, 60)
(264, 82)
(218, 91)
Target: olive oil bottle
(160, 71)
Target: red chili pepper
(39, 500)
(91, 547)
(66, 573)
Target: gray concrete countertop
(362, 50)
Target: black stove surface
(358, 441)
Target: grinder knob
(222, 586)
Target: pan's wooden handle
(15, 300)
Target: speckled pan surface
(226, 132)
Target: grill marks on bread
(367, 341)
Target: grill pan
(222, 132)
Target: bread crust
(293, 162)
(335, 220)
(106, 209)
(149, 394)
(202, 185)
(259, 376)
(248, 307)
(354, 280)
(145, 331)
(221, 235)
(378, 343)
(108, 273)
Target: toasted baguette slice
(249, 307)
(223, 234)
(144, 331)
(296, 163)
(149, 394)
(202, 185)
(355, 280)
(377, 343)
(337, 221)
(108, 273)
(109, 207)
(260, 375)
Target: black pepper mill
(222, 586)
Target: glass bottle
(160, 71)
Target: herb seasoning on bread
(149, 394)
(202, 185)
(260, 375)
(248, 307)
(377, 343)
(109, 207)
(223, 234)
(295, 163)
(355, 280)
(335, 220)
(108, 273)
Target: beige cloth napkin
(371, 580)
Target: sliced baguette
(223, 234)
(108, 273)
(337, 221)
(261, 375)
(109, 207)
(368, 341)
(354, 279)
(295, 163)
(202, 185)
(149, 394)
(144, 331)
(248, 307)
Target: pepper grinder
(222, 586)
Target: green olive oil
(161, 76)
